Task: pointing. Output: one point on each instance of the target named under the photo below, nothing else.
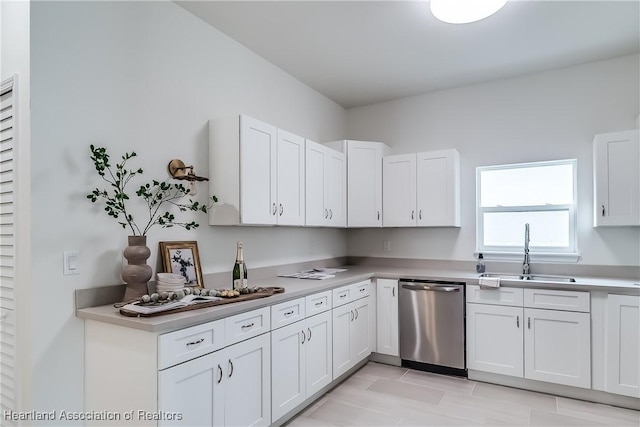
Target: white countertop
(296, 288)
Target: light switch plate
(71, 261)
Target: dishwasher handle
(428, 287)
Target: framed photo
(182, 258)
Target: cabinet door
(336, 188)
(558, 347)
(288, 368)
(342, 353)
(623, 345)
(290, 178)
(194, 389)
(248, 383)
(494, 339)
(258, 190)
(438, 199)
(617, 179)
(364, 183)
(399, 190)
(318, 351)
(315, 170)
(387, 317)
(360, 338)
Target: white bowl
(170, 278)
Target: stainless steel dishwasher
(432, 326)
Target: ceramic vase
(136, 274)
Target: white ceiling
(363, 52)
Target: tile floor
(383, 395)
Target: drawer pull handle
(518, 321)
(356, 314)
(393, 292)
(413, 214)
(420, 214)
(220, 372)
(303, 337)
(230, 368)
(330, 213)
(603, 211)
(378, 215)
(343, 296)
(281, 209)
(352, 315)
(326, 214)
(275, 209)
(250, 325)
(289, 313)
(318, 304)
(309, 331)
(363, 289)
(195, 342)
(529, 322)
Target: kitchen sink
(531, 277)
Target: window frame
(556, 254)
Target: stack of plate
(169, 282)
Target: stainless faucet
(526, 268)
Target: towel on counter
(489, 282)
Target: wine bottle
(239, 270)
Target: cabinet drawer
(497, 296)
(557, 300)
(342, 295)
(318, 303)
(361, 289)
(186, 344)
(247, 325)
(287, 312)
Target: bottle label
(239, 284)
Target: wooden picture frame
(182, 258)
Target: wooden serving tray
(262, 293)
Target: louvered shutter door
(7, 251)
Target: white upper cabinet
(257, 173)
(422, 189)
(399, 190)
(364, 181)
(438, 188)
(326, 186)
(617, 179)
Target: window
(541, 194)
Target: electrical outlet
(386, 245)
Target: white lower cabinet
(387, 317)
(494, 339)
(558, 347)
(622, 347)
(231, 386)
(532, 343)
(351, 335)
(301, 362)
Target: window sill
(534, 257)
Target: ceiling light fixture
(464, 11)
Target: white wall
(551, 115)
(143, 76)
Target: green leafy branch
(157, 195)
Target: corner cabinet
(622, 347)
(422, 190)
(326, 186)
(257, 173)
(616, 179)
(364, 181)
